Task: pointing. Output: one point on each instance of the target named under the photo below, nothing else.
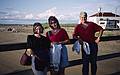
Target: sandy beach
(9, 60)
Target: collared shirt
(87, 34)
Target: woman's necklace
(55, 31)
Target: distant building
(107, 20)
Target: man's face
(83, 19)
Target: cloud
(10, 9)
(52, 12)
(3, 13)
(69, 16)
(60, 14)
(29, 16)
(47, 13)
(14, 14)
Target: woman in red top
(85, 31)
(58, 35)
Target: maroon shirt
(87, 34)
(60, 36)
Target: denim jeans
(64, 57)
(92, 58)
(36, 72)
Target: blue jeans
(92, 58)
(36, 72)
(64, 57)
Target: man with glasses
(85, 32)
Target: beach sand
(9, 60)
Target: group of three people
(39, 45)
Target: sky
(67, 11)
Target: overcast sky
(13, 10)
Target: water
(31, 21)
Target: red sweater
(60, 36)
(87, 34)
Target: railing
(19, 46)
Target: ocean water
(31, 21)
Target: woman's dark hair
(53, 18)
(36, 25)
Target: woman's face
(38, 30)
(53, 24)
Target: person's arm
(99, 36)
(80, 40)
(64, 42)
(29, 45)
(76, 35)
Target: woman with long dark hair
(58, 36)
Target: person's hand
(55, 43)
(29, 52)
(80, 41)
(97, 40)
